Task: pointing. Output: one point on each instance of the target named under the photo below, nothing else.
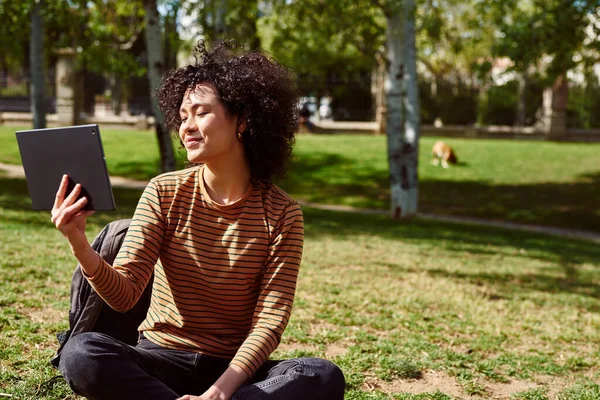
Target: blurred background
(457, 302)
(479, 63)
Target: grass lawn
(413, 311)
(129, 153)
(554, 184)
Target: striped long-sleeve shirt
(225, 276)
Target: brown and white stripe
(225, 276)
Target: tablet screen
(48, 154)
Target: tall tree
(155, 70)
(220, 10)
(306, 40)
(329, 58)
(15, 18)
(403, 120)
(227, 19)
(454, 39)
(38, 70)
(171, 13)
(554, 31)
(112, 27)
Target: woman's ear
(241, 124)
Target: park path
(16, 171)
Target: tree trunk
(403, 120)
(155, 71)
(220, 12)
(378, 89)
(78, 82)
(172, 43)
(555, 108)
(521, 107)
(116, 97)
(38, 75)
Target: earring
(239, 134)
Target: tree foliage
(323, 41)
(557, 29)
(227, 19)
(14, 34)
(101, 31)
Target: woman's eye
(201, 114)
(183, 119)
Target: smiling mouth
(192, 141)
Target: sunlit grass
(532, 182)
(460, 310)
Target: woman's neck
(226, 184)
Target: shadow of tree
(15, 196)
(451, 236)
(511, 284)
(331, 178)
(574, 263)
(142, 169)
(457, 239)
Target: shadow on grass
(142, 169)
(331, 178)
(570, 255)
(457, 238)
(511, 284)
(15, 196)
(451, 236)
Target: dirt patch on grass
(555, 384)
(429, 383)
(497, 390)
(321, 327)
(331, 351)
(292, 347)
(43, 315)
(433, 381)
(336, 349)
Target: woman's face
(207, 131)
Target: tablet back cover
(77, 151)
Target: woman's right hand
(68, 215)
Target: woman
(224, 244)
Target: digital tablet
(48, 154)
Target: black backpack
(89, 312)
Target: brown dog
(444, 153)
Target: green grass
(553, 184)
(129, 153)
(457, 310)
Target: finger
(77, 207)
(72, 196)
(60, 193)
(68, 213)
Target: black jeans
(99, 367)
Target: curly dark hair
(253, 87)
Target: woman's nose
(190, 126)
